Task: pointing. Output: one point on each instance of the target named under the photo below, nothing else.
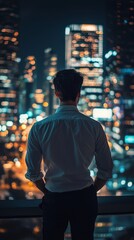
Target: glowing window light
(3, 128)
(15, 159)
(109, 54)
(38, 90)
(9, 123)
(115, 184)
(39, 118)
(17, 60)
(129, 139)
(30, 58)
(122, 169)
(16, 34)
(123, 182)
(23, 118)
(126, 148)
(34, 105)
(45, 104)
(32, 62)
(23, 126)
(88, 27)
(67, 30)
(12, 138)
(4, 103)
(130, 184)
(53, 58)
(93, 97)
(8, 165)
(14, 39)
(49, 78)
(2, 77)
(114, 53)
(17, 164)
(101, 113)
(96, 64)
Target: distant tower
(31, 98)
(84, 52)
(30, 79)
(50, 68)
(9, 33)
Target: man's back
(68, 142)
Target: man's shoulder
(44, 121)
(89, 119)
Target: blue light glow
(129, 139)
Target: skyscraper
(9, 21)
(30, 79)
(50, 68)
(84, 52)
(120, 71)
(9, 78)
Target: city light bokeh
(103, 54)
(107, 94)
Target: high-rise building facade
(84, 52)
(31, 98)
(9, 79)
(30, 80)
(9, 33)
(119, 81)
(50, 69)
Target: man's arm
(33, 161)
(103, 160)
(40, 184)
(99, 183)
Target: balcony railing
(108, 205)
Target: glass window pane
(109, 227)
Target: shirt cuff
(104, 175)
(33, 177)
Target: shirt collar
(66, 108)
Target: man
(68, 141)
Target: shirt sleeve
(103, 158)
(33, 157)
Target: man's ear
(57, 93)
(77, 97)
(78, 94)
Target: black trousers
(77, 207)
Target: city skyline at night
(120, 72)
(45, 23)
(84, 52)
(39, 38)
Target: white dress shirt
(67, 142)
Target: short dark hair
(68, 82)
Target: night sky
(42, 25)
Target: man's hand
(40, 184)
(99, 183)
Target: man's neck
(73, 103)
